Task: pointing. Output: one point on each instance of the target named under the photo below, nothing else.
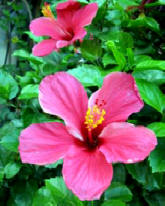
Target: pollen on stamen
(46, 10)
(94, 117)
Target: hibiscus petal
(85, 15)
(69, 5)
(66, 11)
(63, 95)
(62, 43)
(79, 34)
(44, 48)
(45, 26)
(86, 173)
(123, 142)
(44, 143)
(121, 97)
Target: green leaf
(61, 194)
(33, 37)
(141, 172)
(22, 192)
(158, 128)
(122, 40)
(11, 169)
(153, 76)
(119, 173)
(99, 2)
(54, 165)
(119, 57)
(43, 197)
(108, 59)
(151, 65)
(8, 86)
(157, 157)
(9, 134)
(118, 191)
(113, 203)
(143, 21)
(28, 92)
(91, 50)
(26, 55)
(155, 198)
(151, 94)
(88, 75)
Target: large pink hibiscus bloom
(66, 29)
(94, 135)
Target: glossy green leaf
(91, 50)
(119, 57)
(147, 22)
(28, 92)
(151, 94)
(153, 76)
(61, 194)
(157, 157)
(8, 86)
(44, 197)
(141, 172)
(151, 65)
(158, 128)
(11, 169)
(88, 75)
(118, 191)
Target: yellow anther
(94, 117)
(46, 10)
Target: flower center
(46, 10)
(94, 117)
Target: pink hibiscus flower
(66, 29)
(95, 134)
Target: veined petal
(63, 95)
(85, 15)
(45, 47)
(69, 5)
(45, 26)
(79, 34)
(123, 142)
(86, 173)
(44, 143)
(66, 11)
(120, 95)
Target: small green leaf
(153, 76)
(11, 169)
(141, 172)
(28, 92)
(158, 128)
(8, 86)
(91, 50)
(118, 191)
(61, 194)
(151, 94)
(143, 21)
(54, 165)
(88, 75)
(119, 57)
(43, 197)
(108, 59)
(151, 65)
(157, 157)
